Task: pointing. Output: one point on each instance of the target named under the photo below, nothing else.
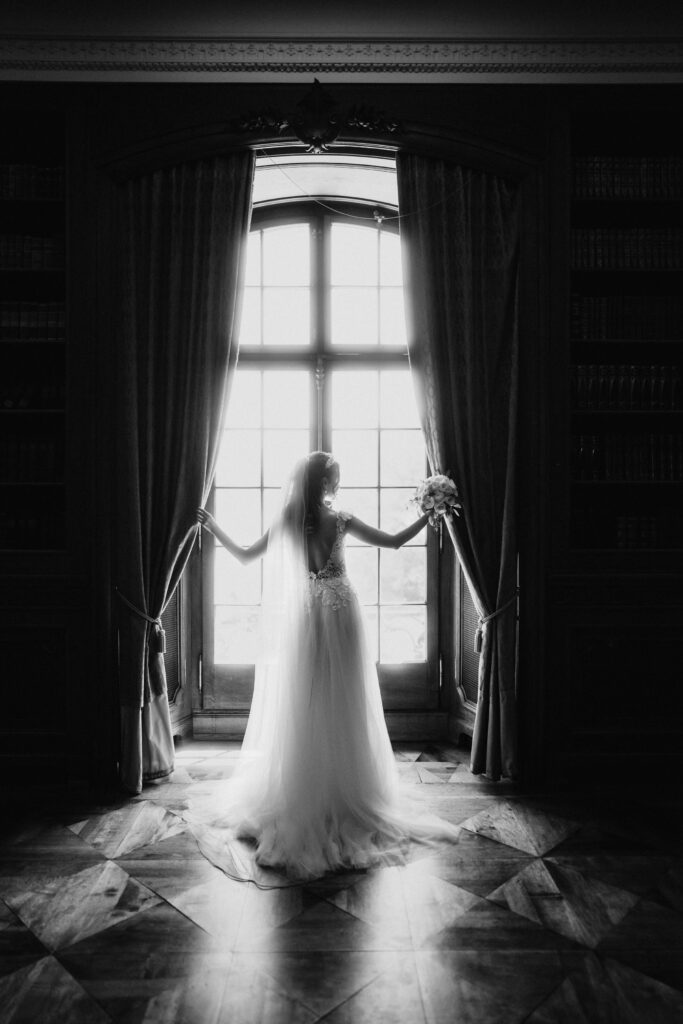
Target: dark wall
(107, 123)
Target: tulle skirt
(317, 786)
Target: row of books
(30, 181)
(628, 177)
(31, 460)
(627, 248)
(32, 529)
(627, 531)
(31, 252)
(634, 532)
(47, 393)
(32, 321)
(651, 387)
(636, 317)
(640, 458)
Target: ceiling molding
(451, 60)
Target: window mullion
(324, 349)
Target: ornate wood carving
(449, 60)
(316, 120)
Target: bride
(316, 786)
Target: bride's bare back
(320, 542)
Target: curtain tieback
(159, 631)
(483, 619)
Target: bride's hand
(205, 519)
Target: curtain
(183, 233)
(460, 241)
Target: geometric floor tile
(639, 874)
(119, 832)
(392, 997)
(234, 993)
(169, 867)
(649, 939)
(53, 851)
(595, 839)
(435, 772)
(565, 909)
(322, 981)
(565, 901)
(526, 828)
(482, 987)
(44, 993)
(158, 943)
(440, 800)
(160, 967)
(61, 911)
(488, 927)
(236, 913)
(475, 863)
(18, 945)
(322, 927)
(220, 989)
(378, 899)
(403, 754)
(432, 905)
(611, 993)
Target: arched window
(323, 364)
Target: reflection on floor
(546, 911)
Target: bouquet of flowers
(437, 495)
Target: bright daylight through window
(323, 364)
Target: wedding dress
(317, 784)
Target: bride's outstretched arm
(380, 538)
(247, 554)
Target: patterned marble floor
(545, 911)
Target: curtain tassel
(483, 619)
(158, 638)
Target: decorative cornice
(118, 59)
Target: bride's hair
(319, 465)
(305, 493)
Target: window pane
(238, 512)
(397, 511)
(402, 457)
(354, 316)
(235, 635)
(354, 398)
(234, 583)
(272, 503)
(392, 317)
(287, 255)
(354, 254)
(361, 564)
(371, 622)
(244, 404)
(250, 324)
(402, 575)
(403, 634)
(252, 275)
(286, 398)
(356, 453)
(362, 502)
(286, 316)
(397, 404)
(281, 449)
(239, 459)
(391, 271)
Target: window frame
(408, 687)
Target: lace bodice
(330, 584)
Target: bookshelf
(626, 344)
(32, 333)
